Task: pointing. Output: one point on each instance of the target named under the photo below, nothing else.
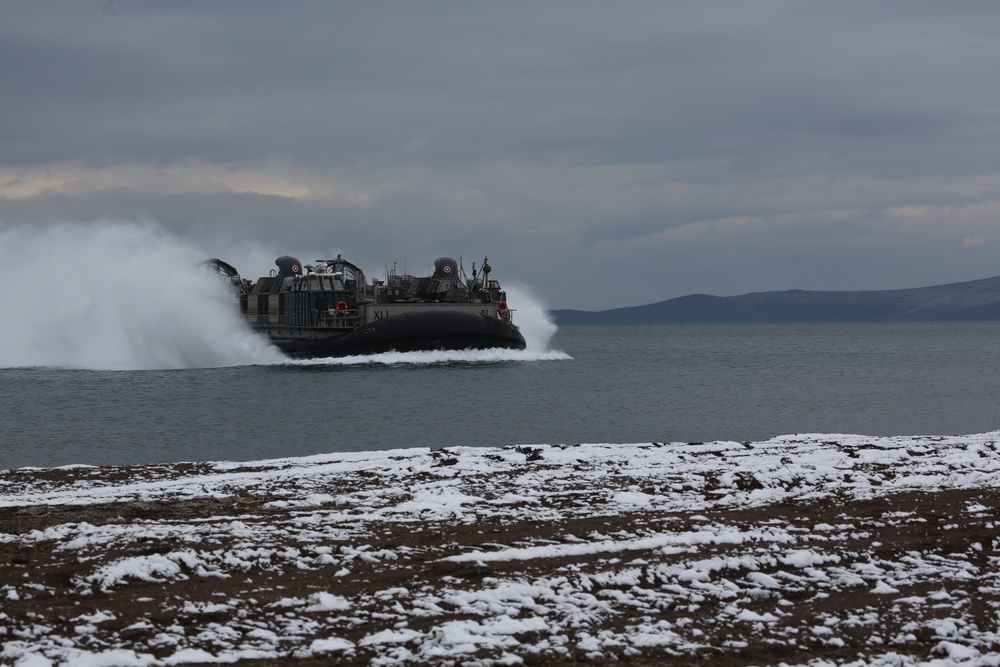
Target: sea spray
(531, 317)
(116, 296)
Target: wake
(435, 357)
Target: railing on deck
(348, 319)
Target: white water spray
(116, 296)
(531, 317)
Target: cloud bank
(604, 155)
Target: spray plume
(116, 296)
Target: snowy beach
(799, 550)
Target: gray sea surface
(590, 384)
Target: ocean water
(588, 384)
(139, 358)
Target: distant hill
(976, 300)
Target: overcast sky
(601, 153)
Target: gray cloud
(667, 147)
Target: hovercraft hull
(425, 330)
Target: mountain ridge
(974, 300)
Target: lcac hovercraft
(328, 309)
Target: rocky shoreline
(800, 550)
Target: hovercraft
(328, 309)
